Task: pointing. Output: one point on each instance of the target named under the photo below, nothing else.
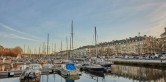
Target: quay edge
(145, 64)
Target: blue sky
(29, 21)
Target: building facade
(163, 37)
(133, 45)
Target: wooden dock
(8, 74)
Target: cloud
(7, 35)
(24, 38)
(14, 30)
(158, 20)
(155, 31)
(17, 35)
(9, 28)
(159, 14)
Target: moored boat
(94, 68)
(48, 68)
(69, 69)
(106, 65)
(32, 72)
(43, 61)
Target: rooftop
(164, 32)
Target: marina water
(119, 73)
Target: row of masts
(46, 47)
(42, 49)
(46, 50)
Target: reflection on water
(120, 73)
(139, 73)
(5, 67)
(12, 67)
(69, 80)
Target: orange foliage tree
(16, 50)
(10, 51)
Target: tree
(17, 50)
(1, 50)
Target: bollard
(8, 73)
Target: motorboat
(94, 68)
(47, 68)
(32, 72)
(107, 65)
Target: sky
(27, 22)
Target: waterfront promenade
(141, 62)
(138, 60)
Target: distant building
(163, 37)
(132, 45)
(86, 50)
(135, 45)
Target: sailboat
(95, 68)
(69, 68)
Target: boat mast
(39, 51)
(61, 45)
(71, 39)
(96, 43)
(55, 48)
(43, 48)
(67, 47)
(47, 43)
(72, 35)
(66, 43)
(24, 48)
(70, 48)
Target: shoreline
(142, 63)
